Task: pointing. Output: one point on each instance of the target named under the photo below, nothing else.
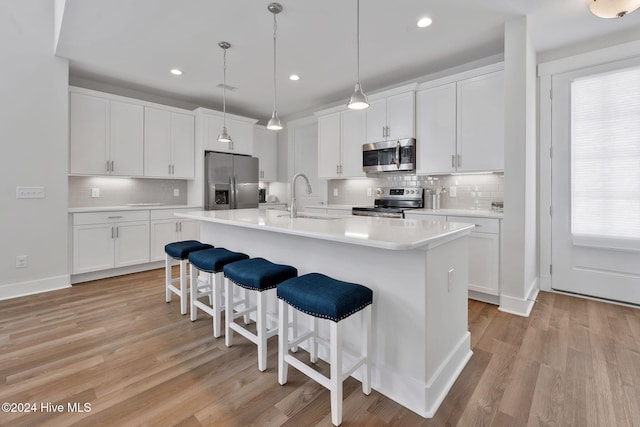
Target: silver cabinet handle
(173, 169)
(113, 167)
(384, 131)
(398, 154)
(176, 226)
(107, 166)
(117, 232)
(114, 217)
(112, 234)
(337, 169)
(459, 160)
(453, 161)
(180, 226)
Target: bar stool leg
(167, 276)
(228, 312)
(366, 349)
(216, 284)
(314, 341)
(183, 286)
(283, 341)
(336, 372)
(261, 327)
(194, 292)
(247, 302)
(294, 320)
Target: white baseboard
(113, 272)
(15, 290)
(519, 306)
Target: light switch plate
(95, 192)
(176, 192)
(452, 191)
(30, 192)
(335, 192)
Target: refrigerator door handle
(232, 192)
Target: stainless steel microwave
(389, 156)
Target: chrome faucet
(294, 208)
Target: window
(605, 155)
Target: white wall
(33, 131)
(519, 250)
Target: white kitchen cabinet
(166, 228)
(241, 133)
(105, 136)
(329, 156)
(340, 138)
(169, 143)
(265, 148)
(391, 118)
(104, 240)
(460, 126)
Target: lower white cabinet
(484, 251)
(166, 228)
(103, 240)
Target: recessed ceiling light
(294, 77)
(424, 22)
(176, 72)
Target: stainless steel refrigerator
(231, 181)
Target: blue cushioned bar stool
(323, 297)
(211, 262)
(179, 251)
(258, 275)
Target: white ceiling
(134, 43)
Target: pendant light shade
(358, 100)
(224, 134)
(274, 123)
(613, 8)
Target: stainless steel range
(391, 202)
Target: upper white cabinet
(169, 144)
(240, 130)
(340, 138)
(392, 117)
(105, 136)
(265, 148)
(460, 125)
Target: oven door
(389, 156)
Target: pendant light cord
(224, 89)
(358, 41)
(275, 28)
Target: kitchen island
(418, 273)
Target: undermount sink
(308, 216)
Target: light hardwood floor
(118, 346)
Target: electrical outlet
(335, 192)
(22, 261)
(452, 191)
(369, 192)
(449, 280)
(176, 192)
(30, 192)
(95, 192)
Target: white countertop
(478, 213)
(136, 207)
(384, 233)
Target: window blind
(605, 155)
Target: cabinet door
(188, 230)
(183, 147)
(163, 232)
(329, 146)
(157, 142)
(376, 118)
(88, 134)
(354, 124)
(126, 139)
(481, 123)
(401, 112)
(242, 135)
(132, 243)
(265, 148)
(436, 123)
(484, 263)
(93, 247)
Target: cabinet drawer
(425, 217)
(483, 225)
(169, 213)
(109, 217)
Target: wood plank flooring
(116, 345)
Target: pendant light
(613, 8)
(274, 123)
(358, 100)
(224, 135)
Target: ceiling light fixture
(224, 135)
(274, 123)
(613, 8)
(424, 22)
(175, 72)
(294, 77)
(358, 100)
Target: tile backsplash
(122, 191)
(475, 191)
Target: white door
(436, 123)
(157, 142)
(132, 243)
(93, 247)
(163, 232)
(329, 146)
(376, 121)
(126, 139)
(88, 134)
(596, 181)
(182, 145)
(354, 132)
(401, 115)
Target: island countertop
(384, 233)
